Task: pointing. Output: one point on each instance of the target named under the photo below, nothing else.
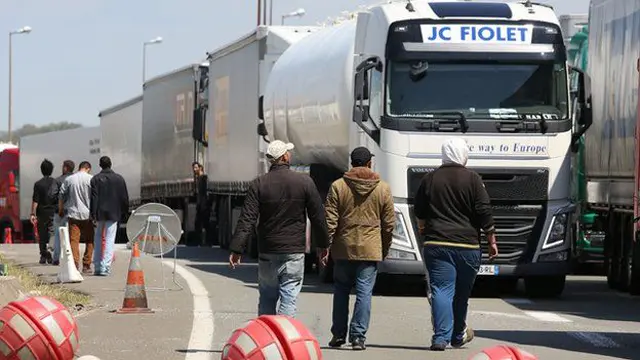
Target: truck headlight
(400, 233)
(558, 231)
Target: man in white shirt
(75, 197)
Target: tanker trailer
(402, 78)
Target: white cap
(278, 148)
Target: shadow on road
(626, 344)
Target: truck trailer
(401, 78)
(172, 138)
(238, 74)
(121, 140)
(78, 145)
(9, 190)
(611, 147)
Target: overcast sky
(85, 55)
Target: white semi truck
(401, 78)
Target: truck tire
(544, 286)
(613, 252)
(224, 222)
(634, 283)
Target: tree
(30, 129)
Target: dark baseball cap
(360, 156)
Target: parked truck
(9, 190)
(611, 147)
(121, 140)
(401, 78)
(76, 144)
(173, 137)
(238, 74)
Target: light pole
(157, 40)
(298, 13)
(24, 30)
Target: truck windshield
(477, 89)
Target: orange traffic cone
(135, 294)
(7, 236)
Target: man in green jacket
(360, 219)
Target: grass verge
(32, 284)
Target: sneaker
(358, 344)
(86, 270)
(337, 342)
(438, 347)
(467, 336)
(55, 263)
(43, 260)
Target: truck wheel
(224, 222)
(634, 283)
(544, 286)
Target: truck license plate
(488, 270)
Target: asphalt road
(589, 322)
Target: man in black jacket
(109, 204)
(43, 205)
(452, 206)
(203, 209)
(279, 202)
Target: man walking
(360, 219)
(75, 198)
(109, 203)
(452, 206)
(43, 206)
(203, 210)
(60, 219)
(279, 203)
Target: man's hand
(323, 256)
(33, 220)
(493, 246)
(234, 260)
(61, 213)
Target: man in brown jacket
(360, 219)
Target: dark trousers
(346, 275)
(202, 226)
(45, 223)
(452, 272)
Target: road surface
(589, 322)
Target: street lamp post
(157, 40)
(298, 13)
(24, 30)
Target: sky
(84, 56)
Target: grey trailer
(173, 137)
(238, 73)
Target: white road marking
(501, 314)
(201, 339)
(596, 339)
(547, 316)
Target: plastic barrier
(272, 337)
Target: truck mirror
(261, 108)
(361, 86)
(262, 129)
(198, 131)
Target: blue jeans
(452, 272)
(57, 223)
(346, 274)
(104, 241)
(280, 277)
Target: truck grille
(511, 185)
(518, 225)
